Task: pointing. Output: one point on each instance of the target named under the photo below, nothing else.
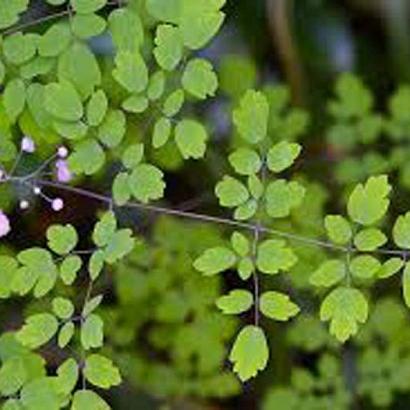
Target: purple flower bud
(62, 152)
(4, 224)
(63, 172)
(57, 204)
(27, 145)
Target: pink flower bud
(27, 145)
(24, 204)
(57, 204)
(62, 152)
(4, 224)
(63, 172)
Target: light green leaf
(79, 161)
(338, 229)
(105, 229)
(173, 103)
(47, 44)
(87, 6)
(37, 330)
(199, 78)
(120, 245)
(62, 101)
(40, 394)
(14, 98)
(401, 231)
(215, 260)
(329, 273)
(87, 400)
(91, 305)
(97, 108)
(162, 132)
(235, 302)
(62, 239)
(369, 239)
(406, 284)
(273, 256)
(69, 269)
(364, 266)
(120, 189)
(282, 155)
(345, 308)
(112, 130)
(249, 353)
(390, 267)
(156, 86)
(168, 49)
(92, 335)
(126, 29)
(67, 376)
(19, 48)
(65, 335)
(245, 161)
(135, 104)
(240, 244)
(245, 268)
(133, 155)
(96, 264)
(9, 267)
(190, 137)
(63, 308)
(89, 25)
(368, 203)
(131, 71)
(251, 117)
(246, 210)
(13, 375)
(101, 372)
(277, 306)
(255, 186)
(146, 183)
(231, 192)
(282, 197)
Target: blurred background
(162, 326)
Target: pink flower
(57, 204)
(63, 172)
(62, 152)
(27, 145)
(4, 224)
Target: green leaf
(246, 210)
(199, 78)
(249, 353)
(390, 267)
(62, 307)
(215, 260)
(62, 101)
(282, 197)
(401, 231)
(133, 155)
(37, 330)
(406, 284)
(120, 189)
(251, 117)
(101, 372)
(91, 305)
(96, 264)
(47, 44)
(240, 244)
(364, 266)
(62, 239)
(87, 6)
(70, 130)
(79, 161)
(135, 104)
(156, 86)
(245, 268)
(368, 203)
(282, 156)
(369, 239)
(245, 161)
(69, 269)
(126, 29)
(112, 130)
(67, 376)
(92, 335)
(120, 245)
(13, 375)
(162, 132)
(40, 394)
(338, 229)
(131, 71)
(231, 192)
(19, 48)
(190, 137)
(255, 186)
(146, 183)
(65, 335)
(105, 229)
(14, 98)
(97, 108)
(168, 49)
(87, 399)
(173, 103)
(86, 26)
(344, 308)
(329, 273)
(273, 256)
(277, 306)
(235, 302)
(9, 267)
